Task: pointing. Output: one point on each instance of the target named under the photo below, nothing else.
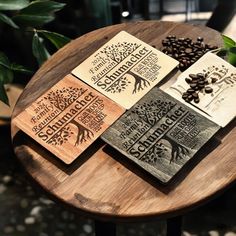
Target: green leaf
(232, 58)
(6, 75)
(56, 39)
(42, 8)
(222, 53)
(39, 50)
(21, 69)
(38, 13)
(4, 60)
(3, 94)
(232, 50)
(8, 21)
(13, 4)
(33, 20)
(228, 42)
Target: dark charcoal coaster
(160, 134)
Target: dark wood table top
(101, 183)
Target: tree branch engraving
(118, 52)
(61, 136)
(153, 111)
(62, 98)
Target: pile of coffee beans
(185, 50)
(197, 83)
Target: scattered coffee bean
(193, 85)
(193, 76)
(190, 91)
(198, 83)
(208, 90)
(185, 50)
(188, 80)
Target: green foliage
(39, 50)
(4, 18)
(229, 49)
(56, 39)
(6, 75)
(25, 16)
(11, 5)
(38, 13)
(3, 94)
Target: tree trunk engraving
(83, 133)
(139, 82)
(177, 150)
(159, 150)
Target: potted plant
(23, 21)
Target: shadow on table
(21, 141)
(176, 180)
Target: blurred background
(25, 211)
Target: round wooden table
(102, 184)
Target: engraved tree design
(139, 82)
(62, 98)
(118, 52)
(153, 111)
(61, 137)
(178, 151)
(83, 133)
(154, 153)
(65, 133)
(119, 86)
(159, 150)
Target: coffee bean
(190, 90)
(181, 66)
(208, 90)
(194, 81)
(201, 75)
(196, 100)
(185, 95)
(185, 48)
(191, 54)
(188, 80)
(165, 43)
(188, 50)
(176, 56)
(201, 82)
(195, 95)
(190, 97)
(193, 85)
(193, 76)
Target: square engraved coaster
(160, 134)
(68, 118)
(125, 68)
(216, 103)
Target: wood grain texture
(103, 184)
(125, 69)
(68, 118)
(160, 134)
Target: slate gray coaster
(160, 134)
